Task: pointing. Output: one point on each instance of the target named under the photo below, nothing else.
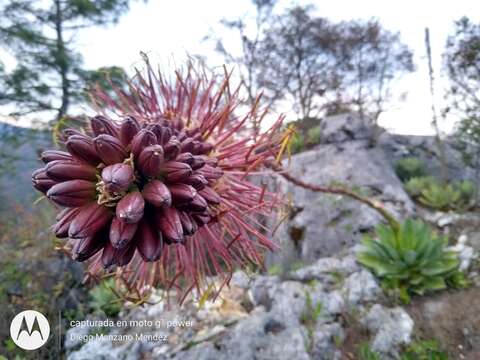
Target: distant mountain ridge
(19, 157)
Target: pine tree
(48, 77)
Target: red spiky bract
(235, 236)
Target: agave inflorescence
(157, 184)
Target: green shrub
(104, 300)
(297, 144)
(416, 185)
(467, 191)
(409, 167)
(366, 353)
(412, 260)
(313, 135)
(424, 350)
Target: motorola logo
(29, 330)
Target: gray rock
(204, 351)
(288, 300)
(345, 127)
(105, 350)
(333, 303)
(325, 338)
(361, 287)
(260, 290)
(73, 337)
(321, 270)
(392, 329)
(260, 336)
(466, 254)
(241, 280)
(424, 147)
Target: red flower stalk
(164, 191)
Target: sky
(168, 30)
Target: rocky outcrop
(426, 149)
(322, 224)
(300, 316)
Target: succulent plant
(416, 185)
(409, 167)
(413, 260)
(161, 190)
(440, 196)
(467, 191)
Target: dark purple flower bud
(52, 155)
(128, 130)
(41, 181)
(130, 208)
(117, 177)
(102, 125)
(150, 160)
(210, 172)
(212, 161)
(182, 135)
(176, 171)
(182, 193)
(157, 194)
(110, 149)
(197, 204)
(201, 148)
(109, 255)
(166, 134)
(187, 145)
(197, 181)
(82, 148)
(121, 233)
(63, 224)
(171, 149)
(168, 221)
(148, 241)
(121, 257)
(201, 218)
(62, 213)
(90, 220)
(61, 170)
(157, 129)
(189, 226)
(85, 248)
(193, 132)
(140, 141)
(72, 193)
(126, 255)
(185, 157)
(198, 162)
(210, 195)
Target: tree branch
(378, 207)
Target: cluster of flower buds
(130, 187)
(162, 192)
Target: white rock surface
(392, 328)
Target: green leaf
(435, 283)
